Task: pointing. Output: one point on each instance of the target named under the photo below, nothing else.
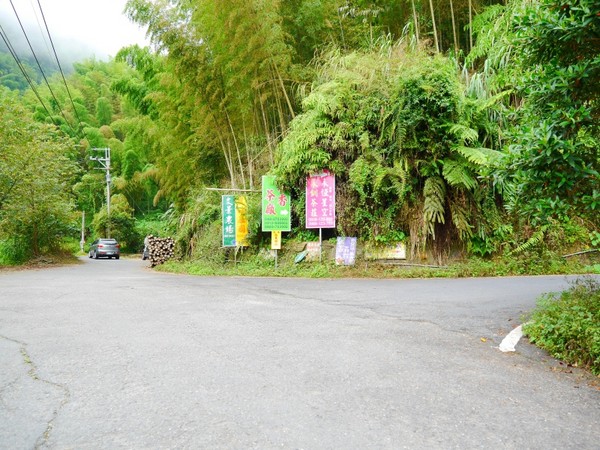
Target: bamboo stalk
(454, 32)
(237, 149)
(435, 36)
(287, 98)
(415, 20)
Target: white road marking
(510, 341)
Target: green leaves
(568, 326)
(434, 193)
(458, 174)
(35, 177)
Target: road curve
(109, 354)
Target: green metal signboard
(228, 214)
(276, 207)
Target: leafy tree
(90, 192)
(35, 177)
(104, 111)
(121, 223)
(546, 52)
(555, 156)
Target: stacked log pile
(160, 249)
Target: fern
(457, 174)
(464, 133)
(460, 219)
(480, 156)
(534, 240)
(434, 192)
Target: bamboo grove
(460, 125)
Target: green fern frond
(460, 219)
(484, 106)
(434, 192)
(456, 174)
(481, 156)
(399, 177)
(463, 133)
(534, 240)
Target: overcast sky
(80, 28)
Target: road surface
(110, 355)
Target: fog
(80, 29)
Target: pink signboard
(320, 200)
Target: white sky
(79, 28)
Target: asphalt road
(111, 355)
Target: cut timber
(160, 249)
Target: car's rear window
(108, 241)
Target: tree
(104, 111)
(35, 178)
(553, 158)
(121, 223)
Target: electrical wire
(40, 67)
(37, 20)
(59, 66)
(24, 72)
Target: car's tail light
(118, 245)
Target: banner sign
(313, 251)
(241, 221)
(345, 251)
(391, 251)
(275, 240)
(276, 207)
(228, 215)
(320, 200)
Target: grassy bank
(264, 264)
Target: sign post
(276, 212)
(320, 203)
(276, 243)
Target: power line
(24, 72)
(40, 66)
(37, 20)
(59, 66)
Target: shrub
(568, 325)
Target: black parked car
(108, 248)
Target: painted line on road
(509, 343)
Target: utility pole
(82, 242)
(105, 163)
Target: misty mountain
(11, 76)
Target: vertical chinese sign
(234, 212)
(228, 214)
(276, 207)
(320, 200)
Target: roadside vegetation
(567, 325)
(467, 131)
